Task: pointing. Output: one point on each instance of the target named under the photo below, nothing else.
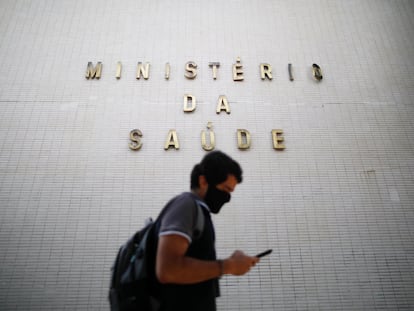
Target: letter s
(135, 137)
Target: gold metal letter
(192, 99)
(317, 72)
(134, 136)
(223, 104)
(238, 71)
(212, 138)
(167, 71)
(266, 71)
(118, 70)
(191, 70)
(290, 69)
(93, 72)
(243, 139)
(143, 70)
(172, 140)
(277, 138)
(214, 65)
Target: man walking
(186, 263)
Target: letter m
(93, 72)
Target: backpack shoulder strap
(199, 227)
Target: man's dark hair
(215, 166)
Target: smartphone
(264, 253)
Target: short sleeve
(179, 217)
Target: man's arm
(172, 266)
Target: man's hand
(239, 263)
(172, 266)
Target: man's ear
(202, 186)
(202, 181)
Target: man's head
(214, 178)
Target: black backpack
(133, 282)
(134, 285)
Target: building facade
(315, 99)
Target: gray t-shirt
(181, 216)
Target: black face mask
(216, 198)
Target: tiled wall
(336, 205)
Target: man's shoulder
(181, 203)
(180, 216)
(185, 198)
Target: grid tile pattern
(336, 206)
